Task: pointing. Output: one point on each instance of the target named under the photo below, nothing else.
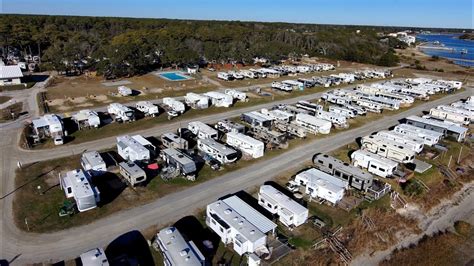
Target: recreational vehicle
(291, 129)
(174, 105)
(76, 184)
(313, 124)
(246, 144)
(236, 75)
(176, 251)
(86, 119)
(342, 111)
(121, 112)
(124, 91)
(429, 137)
(278, 115)
(171, 140)
(357, 109)
(216, 150)
(388, 149)
(353, 176)
(239, 95)
(225, 76)
(148, 108)
(374, 163)
(94, 257)
(290, 212)
(249, 74)
(415, 144)
(219, 99)
(196, 101)
(227, 126)
(448, 129)
(337, 119)
(268, 136)
(385, 103)
(282, 87)
(257, 119)
(295, 85)
(132, 173)
(404, 99)
(321, 185)
(202, 131)
(336, 99)
(311, 107)
(456, 110)
(444, 114)
(49, 125)
(135, 148)
(179, 160)
(370, 106)
(94, 163)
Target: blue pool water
(173, 76)
(454, 47)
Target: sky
(422, 13)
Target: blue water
(173, 76)
(450, 41)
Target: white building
(94, 257)
(135, 148)
(121, 112)
(216, 150)
(76, 184)
(313, 124)
(86, 119)
(321, 185)
(415, 144)
(219, 99)
(49, 125)
(246, 144)
(388, 149)
(176, 250)
(148, 108)
(429, 137)
(290, 212)
(202, 131)
(94, 163)
(174, 104)
(239, 224)
(10, 75)
(196, 101)
(374, 163)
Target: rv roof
(345, 167)
(378, 158)
(425, 131)
(93, 158)
(247, 139)
(282, 200)
(179, 251)
(178, 156)
(78, 180)
(132, 169)
(447, 126)
(221, 148)
(313, 174)
(94, 257)
(132, 143)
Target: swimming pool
(174, 76)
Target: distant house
(10, 75)
(192, 69)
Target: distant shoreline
(467, 37)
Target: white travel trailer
(384, 102)
(321, 185)
(171, 140)
(447, 128)
(148, 108)
(414, 92)
(388, 149)
(124, 91)
(225, 76)
(49, 125)
(227, 126)
(446, 115)
(249, 74)
(94, 257)
(278, 115)
(86, 119)
(135, 148)
(457, 110)
(370, 106)
(313, 108)
(202, 131)
(415, 144)
(76, 184)
(121, 112)
(290, 212)
(313, 124)
(196, 101)
(181, 161)
(255, 118)
(282, 87)
(246, 144)
(374, 163)
(174, 105)
(295, 85)
(429, 137)
(335, 118)
(404, 99)
(336, 99)
(176, 250)
(94, 163)
(236, 75)
(239, 95)
(218, 151)
(219, 99)
(342, 111)
(132, 173)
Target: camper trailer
(415, 144)
(313, 124)
(257, 119)
(429, 137)
(121, 112)
(176, 251)
(135, 148)
(196, 101)
(92, 162)
(249, 74)
(370, 106)
(282, 87)
(311, 107)
(446, 115)
(388, 149)
(336, 99)
(48, 126)
(448, 129)
(181, 161)
(384, 103)
(227, 126)
(124, 91)
(86, 119)
(171, 140)
(321, 185)
(225, 76)
(291, 129)
(374, 163)
(268, 136)
(290, 212)
(219, 99)
(456, 110)
(353, 176)
(132, 173)
(246, 144)
(342, 111)
(337, 119)
(202, 131)
(218, 151)
(148, 108)
(76, 184)
(239, 95)
(94, 257)
(404, 99)
(278, 115)
(174, 105)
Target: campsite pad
(116, 83)
(421, 166)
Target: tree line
(117, 47)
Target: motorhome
(48, 126)
(309, 106)
(76, 184)
(132, 173)
(93, 162)
(257, 119)
(342, 111)
(446, 115)
(374, 163)
(174, 105)
(282, 87)
(135, 148)
(414, 143)
(313, 124)
(246, 144)
(171, 140)
(448, 129)
(429, 137)
(124, 91)
(353, 176)
(147, 108)
(278, 115)
(196, 101)
(203, 131)
(218, 151)
(181, 161)
(227, 126)
(239, 95)
(176, 251)
(121, 112)
(321, 185)
(220, 99)
(225, 76)
(290, 212)
(86, 119)
(338, 120)
(388, 149)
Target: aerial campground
(254, 133)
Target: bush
(412, 188)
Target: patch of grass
(300, 242)
(4, 99)
(15, 87)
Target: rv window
(382, 150)
(337, 173)
(222, 229)
(346, 177)
(269, 205)
(213, 221)
(262, 200)
(373, 166)
(69, 190)
(321, 162)
(381, 169)
(330, 166)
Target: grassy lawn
(4, 99)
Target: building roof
(282, 200)
(9, 72)
(219, 147)
(93, 158)
(448, 126)
(245, 138)
(49, 120)
(132, 169)
(376, 157)
(132, 143)
(177, 250)
(78, 180)
(313, 175)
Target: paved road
(27, 247)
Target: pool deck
(178, 73)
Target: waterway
(448, 46)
